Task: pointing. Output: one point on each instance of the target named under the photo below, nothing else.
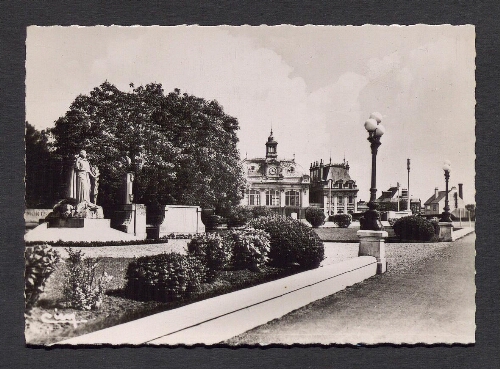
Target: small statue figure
(84, 180)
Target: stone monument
(128, 216)
(82, 196)
(78, 217)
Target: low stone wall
(181, 219)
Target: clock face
(272, 170)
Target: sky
(313, 85)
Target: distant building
(436, 203)
(332, 188)
(388, 200)
(362, 206)
(275, 182)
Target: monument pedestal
(78, 223)
(445, 231)
(372, 243)
(131, 219)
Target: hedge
(292, 242)
(315, 216)
(164, 277)
(414, 228)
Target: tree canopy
(182, 148)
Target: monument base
(77, 230)
(372, 243)
(131, 219)
(77, 223)
(445, 231)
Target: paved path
(431, 302)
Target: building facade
(332, 188)
(436, 203)
(395, 200)
(274, 182)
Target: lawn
(117, 309)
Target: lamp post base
(445, 217)
(372, 243)
(445, 231)
(371, 221)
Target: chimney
(461, 190)
(436, 193)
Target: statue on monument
(82, 192)
(84, 180)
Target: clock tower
(271, 147)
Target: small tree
(472, 210)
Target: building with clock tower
(278, 183)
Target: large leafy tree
(182, 148)
(43, 180)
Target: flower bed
(116, 308)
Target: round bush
(250, 248)
(239, 216)
(342, 220)
(414, 228)
(261, 211)
(315, 216)
(292, 242)
(212, 250)
(164, 277)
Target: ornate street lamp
(446, 216)
(375, 130)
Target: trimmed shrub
(342, 220)
(315, 216)
(213, 221)
(83, 288)
(205, 213)
(39, 263)
(239, 216)
(165, 277)
(414, 228)
(261, 211)
(213, 252)
(250, 248)
(292, 242)
(435, 223)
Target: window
(340, 200)
(434, 207)
(253, 197)
(272, 198)
(292, 198)
(350, 200)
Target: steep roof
(434, 200)
(388, 195)
(336, 173)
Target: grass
(117, 309)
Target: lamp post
(375, 130)
(408, 193)
(446, 216)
